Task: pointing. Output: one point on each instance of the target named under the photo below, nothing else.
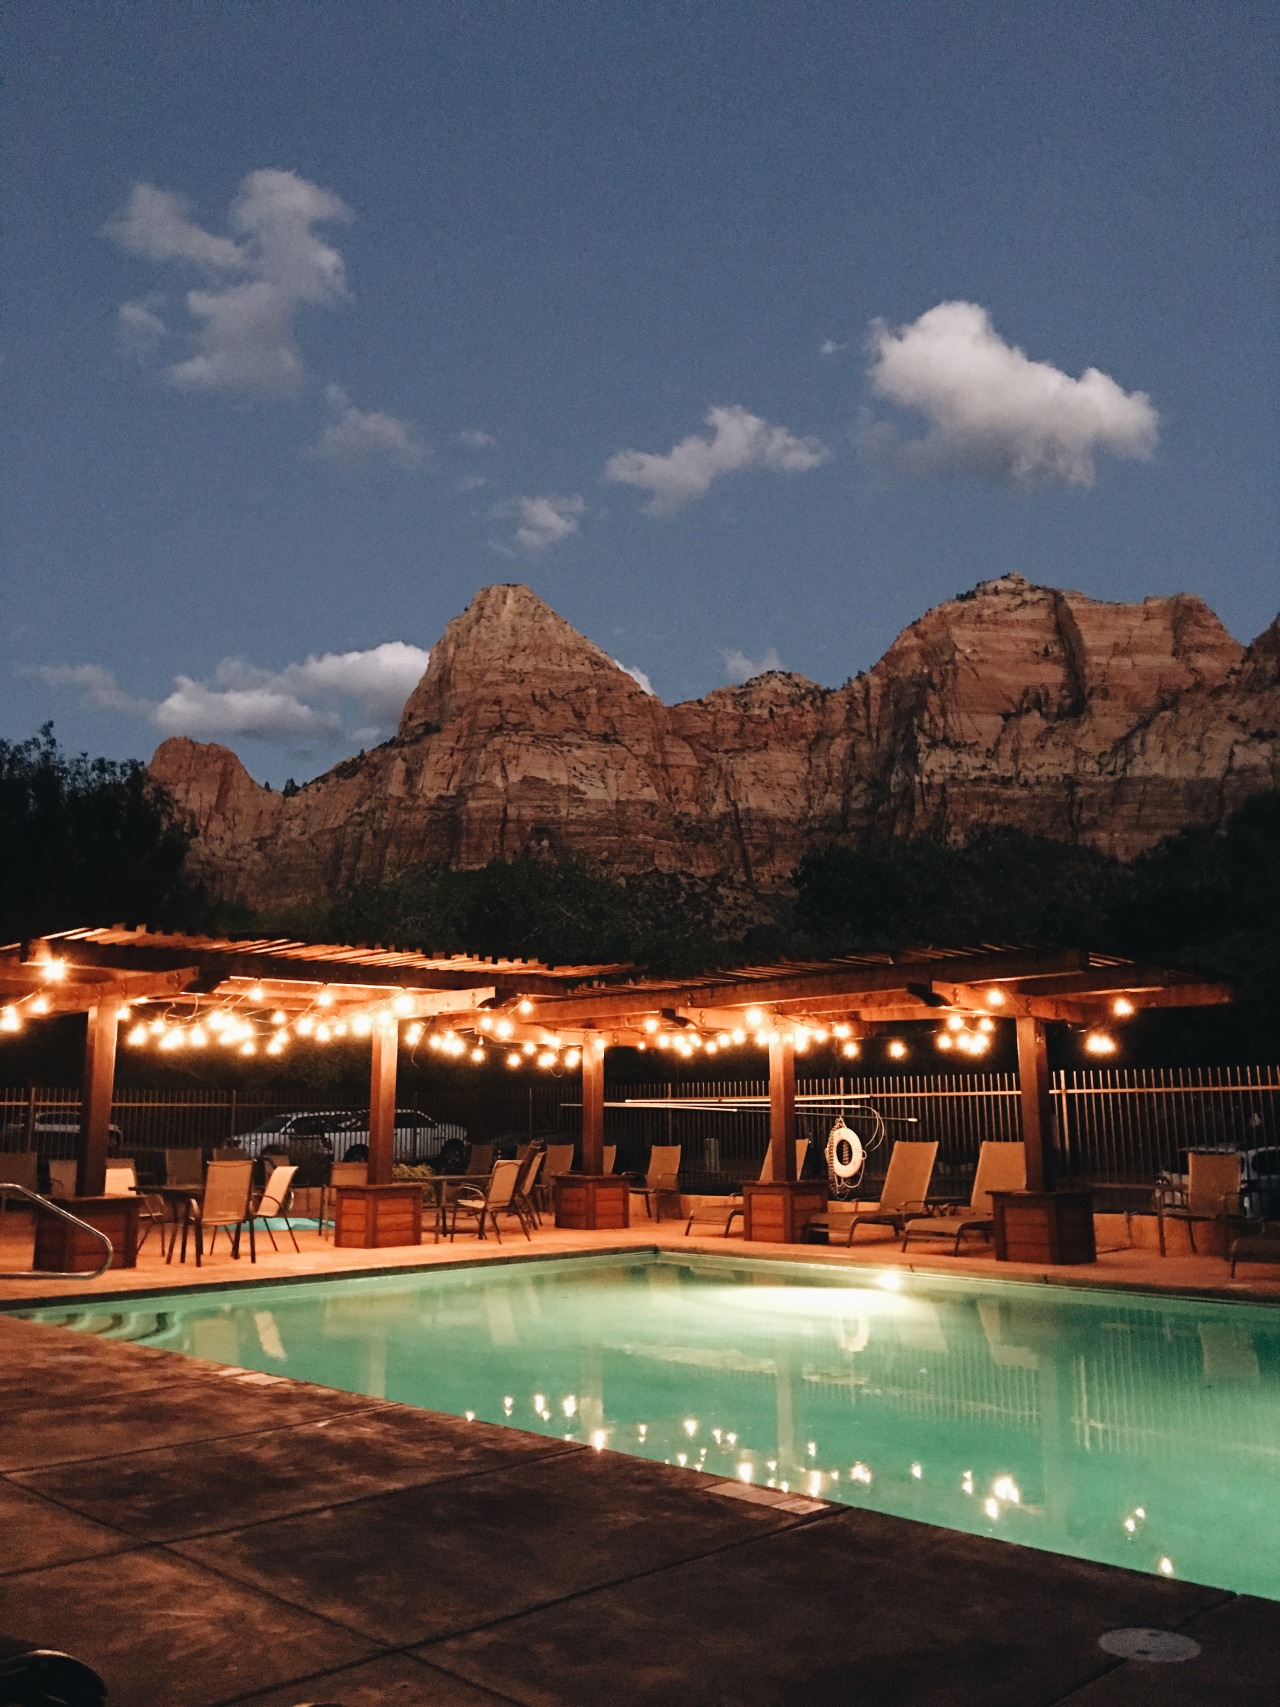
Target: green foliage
(86, 842)
(1004, 886)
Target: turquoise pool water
(1135, 1430)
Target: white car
(418, 1137)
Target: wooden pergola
(118, 973)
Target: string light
(325, 999)
(412, 1036)
(851, 1050)
(53, 971)
(1122, 1007)
(514, 1059)
(40, 1005)
(995, 998)
(402, 1006)
(504, 1028)
(524, 1006)
(754, 1019)
(897, 1049)
(1100, 1043)
(362, 1025)
(257, 993)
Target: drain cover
(1157, 1647)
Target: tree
(86, 842)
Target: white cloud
(737, 440)
(829, 347)
(96, 686)
(298, 706)
(354, 436)
(994, 412)
(477, 439)
(256, 281)
(740, 668)
(637, 675)
(140, 330)
(543, 522)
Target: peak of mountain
(1107, 723)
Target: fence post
(231, 1136)
(29, 1126)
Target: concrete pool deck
(277, 1543)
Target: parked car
(308, 1128)
(54, 1133)
(418, 1136)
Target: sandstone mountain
(1111, 724)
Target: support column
(782, 1106)
(593, 1103)
(95, 1099)
(382, 1099)
(1037, 1104)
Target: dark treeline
(88, 841)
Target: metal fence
(1115, 1125)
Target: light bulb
(402, 1006)
(754, 1019)
(651, 1025)
(850, 1050)
(504, 1028)
(524, 1006)
(325, 999)
(897, 1049)
(256, 993)
(514, 1059)
(1122, 1007)
(477, 1054)
(361, 1024)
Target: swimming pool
(1131, 1429)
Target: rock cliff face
(1106, 723)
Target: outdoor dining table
(177, 1200)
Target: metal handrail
(46, 1203)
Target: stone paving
(203, 1536)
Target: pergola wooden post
(95, 1099)
(593, 1103)
(382, 1099)
(782, 1105)
(1037, 1103)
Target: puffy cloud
(543, 522)
(637, 675)
(737, 440)
(994, 412)
(477, 439)
(829, 347)
(740, 668)
(354, 436)
(243, 334)
(297, 706)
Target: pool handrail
(47, 1205)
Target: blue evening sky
(405, 281)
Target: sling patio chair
(184, 1167)
(488, 1204)
(224, 1203)
(559, 1161)
(1002, 1166)
(122, 1181)
(522, 1203)
(728, 1209)
(274, 1204)
(62, 1176)
(480, 1159)
(662, 1177)
(1211, 1193)
(610, 1157)
(340, 1173)
(904, 1194)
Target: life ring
(845, 1157)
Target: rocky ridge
(1110, 724)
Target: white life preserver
(844, 1155)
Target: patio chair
(1002, 1166)
(904, 1194)
(1211, 1193)
(522, 1199)
(481, 1159)
(488, 1204)
(340, 1173)
(62, 1176)
(230, 1153)
(610, 1157)
(122, 1181)
(728, 1209)
(184, 1167)
(274, 1203)
(225, 1204)
(559, 1160)
(663, 1176)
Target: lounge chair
(1002, 1166)
(488, 1204)
(1211, 1193)
(274, 1203)
(663, 1176)
(1256, 1247)
(225, 1203)
(904, 1194)
(728, 1209)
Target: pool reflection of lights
(1165, 1566)
(917, 1471)
(992, 1508)
(745, 1471)
(1006, 1489)
(890, 1280)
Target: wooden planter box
(779, 1211)
(62, 1248)
(1044, 1226)
(585, 1201)
(373, 1217)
